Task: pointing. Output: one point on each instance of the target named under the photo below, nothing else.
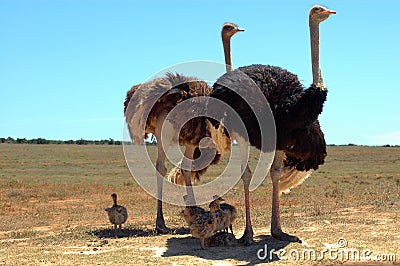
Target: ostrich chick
(223, 217)
(231, 209)
(205, 225)
(117, 214)
(221, 239)
(191, 213)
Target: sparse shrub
(17, 195)
(23, 234)
(334, 192)
(129, 183)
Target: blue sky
(65, 65)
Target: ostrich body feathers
(191, 213)
(295, 110)
(147, 103)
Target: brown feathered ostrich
(228, 30)
(166, 93)
(146, 107)
(300, 143)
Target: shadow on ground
(245, 255)
(134, 232)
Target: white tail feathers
(291, 178)
(176, 176)
(222, 141)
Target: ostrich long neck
(318, 80)
(226, 42)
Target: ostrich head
(214, 205)
(114, 197)
(317, 15)
(229, 29)
(320, 13)
(218, 199)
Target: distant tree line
(11, 140)
(355, 145)
(110, 141)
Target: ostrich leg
(187, 164)
(161, 228)
(247, 238)
(276, 230)
(162, 144)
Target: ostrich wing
(143, 104)
(308, 150)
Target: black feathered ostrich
(146, 107)
(300, 143)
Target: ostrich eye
(317, 10)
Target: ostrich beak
(239, 29)
(328, 12)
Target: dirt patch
(56, 215)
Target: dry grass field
(52, 200)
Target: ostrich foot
(247, 238)
(162, 229)
(279, 235)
